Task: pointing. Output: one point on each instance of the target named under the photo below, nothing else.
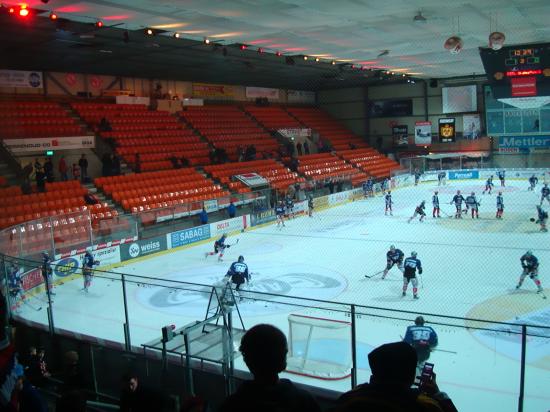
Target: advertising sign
(423, 133)
(142, 248)
(400, 135)
(212, 90)
(210, 205)
(32, 279)
(262, 217)
(471, 126)
(188, 236)
(466, 174)
(22, 79)
(524, 142)
(391, 108)
(294, 133)
(50, 143)
(229, 225)
(447, 130)
(253, 92)
(73, 264)
(300, 96)
(524, 86)
(252, 179)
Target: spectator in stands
(231, 210)
(73, 389)
(306, 147)
(203, 216)
(137, 398)
(184, 162)
(299, 148)
(222, 155)
(83, 164)
(63, 169)
(104, 125)
(330, 185)
(27, 397)
(213, 154)
(264, 349)
(175, 161)
(37, 370)
(40, 181)
(75, 171)
(116, 165)
(240, 153)
(294, 163)
(26, 173)
(48, 169)
(393, 368)
(352, 146)
(106, 165)
(290, 148)
(137, 163)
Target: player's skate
(404, 294)
(206, 255)
(415, 297)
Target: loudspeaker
(433, 83)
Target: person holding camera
(422, 338)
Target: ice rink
(471, 267)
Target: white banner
(252, 179)
(133, 100)
(471, 126)
(422, 133)
(253, 92)
(300, 96)
(340, 197)
(192, 102)
(294, 133)
(301, 207)
(229, 225)
(50, 143)
(19, 78)
(211, 205)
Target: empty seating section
(161, 189)
(279, 176)
(329, 129)
(36, 119)
(273, 117)
(325, 165)
(157, 136)
(228, 127)
(370, 161)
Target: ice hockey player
(219, 247)
(310, 205)
(238, 273)
(289, 205)
(394, 256)
(422, 338)
(15, 285)
(417, 175)
(88, 264)
(385, 184)
(489, 185)
(419, 211)
(441, 178)
(530, 265)
(389, 203)
(409, 275)
(542, 217)
(501, 176)
(365, 187)
(473, 204)
(545, 194)
(533, 180)
(457, 201)
(280, 214)
(435, 203)
(500, 205)
(47, 272)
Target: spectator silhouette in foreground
(393, 368)
(264, 350)
(137, 398)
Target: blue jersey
(489, 182)
(471, 201)
(88, 262)
(411, 264)
(220, 242)
(14, 279)
(280, 210)
(500, 202)
(457, 200)
(533, 180)
(501, 174)
(395, 255)
(388, 200)
(289, 203)
(542, 214)
(435, 200)
(238, 268)
(545, 191)
(529, 262)
(418, 335)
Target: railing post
(353, 349)
(127, 341)
(522, 366)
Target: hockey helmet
(413, 254)
(45, 253)
(436, 192)
(392, 247)
(500, 193)
(419, 321)
(422, 202)
(473, 193)
(458, 192)
(241, 259)
(529, 252)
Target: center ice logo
(134, 250)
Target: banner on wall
(20, 78)
(447, 130)
(390, 108)
(400, 135)
(229, 225)
(212, 90)
(471, 126)
(523, 144)
(50, 143)
(295, 133)
(300, 96)
(142, 248)
(422, 133)
(253, 92)
(187, 236)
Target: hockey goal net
(319, 348)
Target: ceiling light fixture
(176, 35)
(317, 60)
(149, 32)
(99, 24)
(206, 40)
(333, 62)
(278, 54)
(305, 57)
(242, 47)
(23, 11)
(260, 50)
(53, 16)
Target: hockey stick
(376, 274)
(421, 281)
(35, 308)
(446, 351)
(233, 244)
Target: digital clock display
(522, 52)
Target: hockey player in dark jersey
(530, 265)
(545, 194)
(441, 178)
(88, 264)
(500, 205)
(409, 275)
(542, 218)
(47, 272)
(419, 211)
(280, 214)
(289, 205)
(389, 203)
(219, 247)
(15, 285)
(473, 205)
(238, 273)
(435, 203)
(417, 175)
(394, 256)
(533, 182)
(422, 338)
(489, 185)
(457, 201)
(310, 205)
(501, 175)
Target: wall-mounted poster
(423, 133)
(400, 135)
(390, 108)
(447, 130)
(471, 126)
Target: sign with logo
(212, 90)
(400, 135)
(524, 142)
(471, 126)
(66, 267)
(229, 225)
(254, 92)
(22, 79)
(50, 143)
(469, 174)
(524, 86)
(142, 248)
(300, 96)
(337, 198)
(252, 179)
(262, 217)
(423, 133)
(210, 205)
(447, 130)
(391, 108)
(32, 279)
(188, 236)
(295, 132)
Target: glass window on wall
(531, 121)
(495, 122)
(490, 101)
(545, 120)
(512, 121)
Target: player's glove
(228, 246)
(96, 262)
(420, 271)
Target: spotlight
(176, 35)
(53, 16)
(242, 47)
(333, 62)
(305, 57)
(99, 24)
(23, 11)
(149, 32)
(11, 10)
(206, 41)
(317, 59)
(278, 54)
(404, 75)
(388, 72)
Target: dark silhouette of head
(419, 321)
(393, 363)
(264, 350)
